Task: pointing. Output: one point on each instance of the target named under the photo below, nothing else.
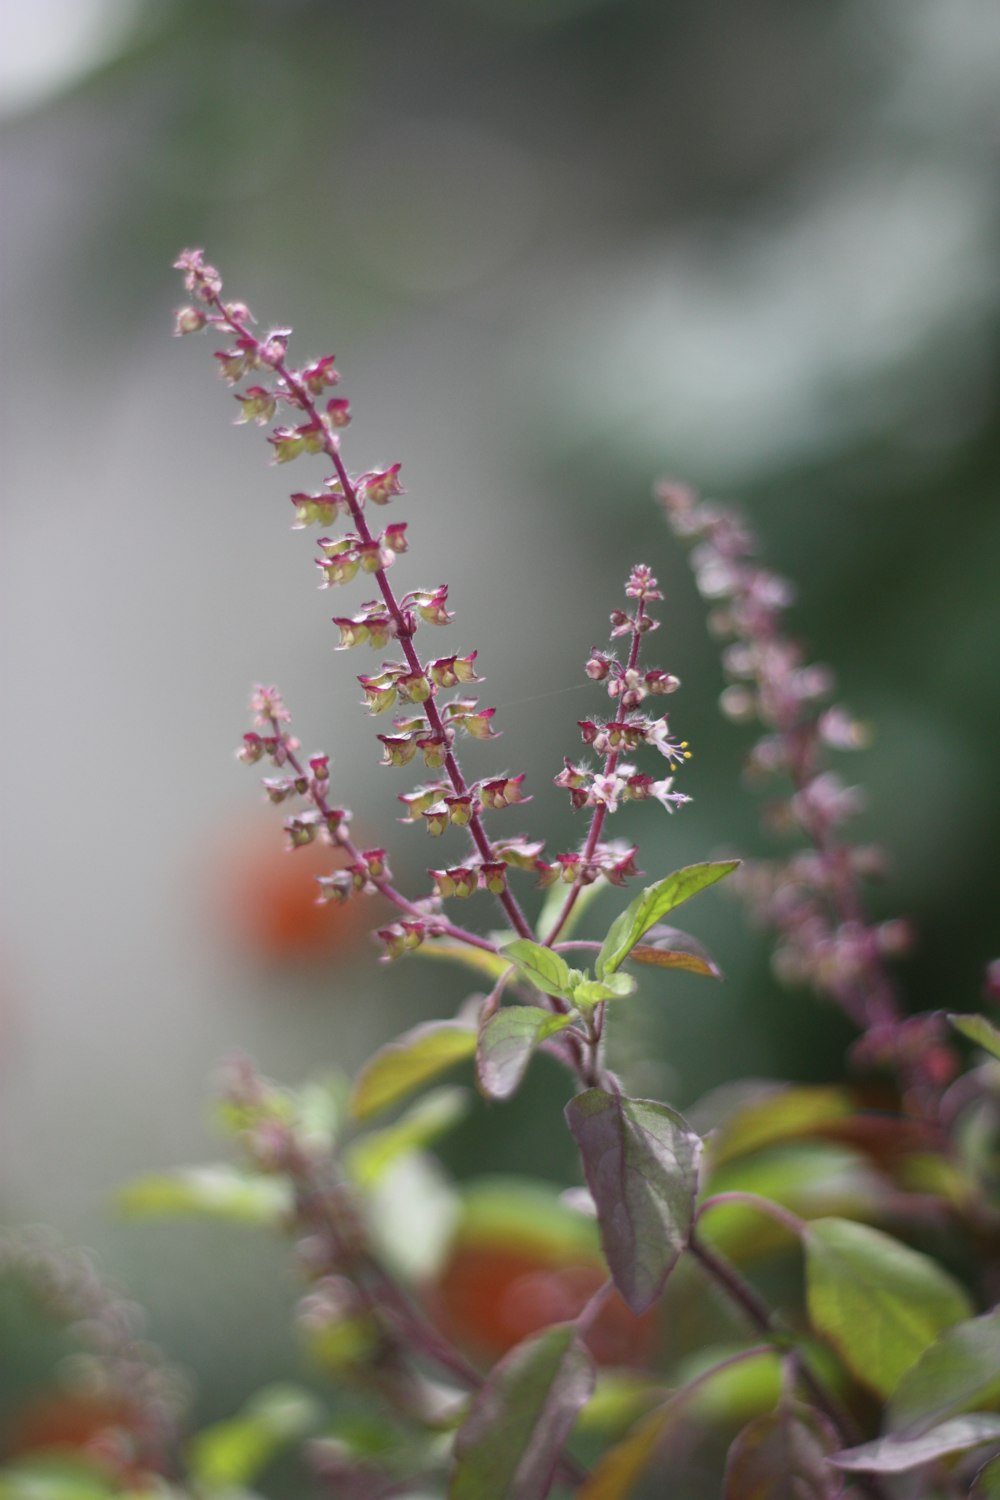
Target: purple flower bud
(188, 320)
(399, 749)
(338, 887)
(461, 809)
(502, 792)
(599, 665)
(319, 374)
(493, 875)
(380, 487)
(258, 405)
(275, 347)
(251, 749)
(436, 818)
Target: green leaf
(48, 1476)
(878, 1302)
(621, 1467)
(783, 1456)
(785, 1114)
(640, 1159)
(979, 1030)
(620, 1398)
(413, 1059)
(546, 970)
(369, 1157)
(611, 987)
(507, 1043)
(960, 1371)
(815, 1180)
(521, 1213)
(413, 1212)
(986, 1485)
(509, 1445)
(231, 1453)
(709, 1397)
(895, 1455)
(214, 1192)
(669, 948)
(480, 960)
(652, 904)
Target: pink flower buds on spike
(493, 874)
(460, 880)
(339, 411)
(399, 749)
(380, 488)
(189, 320)
(461, 809)
(338, 887)
(258, 405)
(502, 792)
(275, 347)
(319, 374)
(437, 818)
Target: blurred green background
(561, 248)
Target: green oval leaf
(510, 1443)
(979, 1030)
(370, 1157)
(213, 1192)
(878, 1302)
(507, 1043)
(895, 1455)
(547, 971)
(652, 904)
(986, 1485)
(611, 987)
(480, 960)
(404, 1065)
(959, 1371)
(621, 1468)
(783, 1456)
(230, 1453)
(640, 1159)
(787, 1113)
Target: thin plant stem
(404, 631)
(600, 811)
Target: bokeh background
(560, 247)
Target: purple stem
(404, 629)
(600, 811)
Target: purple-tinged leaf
(622, 1466)
(879, 1303)
(652, 904)
(895, 1455)
(510, 1443)
(669, 948)
(640, 1160)
(783, 1456)
(986, 1485)
(959, 1371)
(979, 1030)
(404, 1065)
(507, 1043)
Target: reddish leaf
(783, 1456)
